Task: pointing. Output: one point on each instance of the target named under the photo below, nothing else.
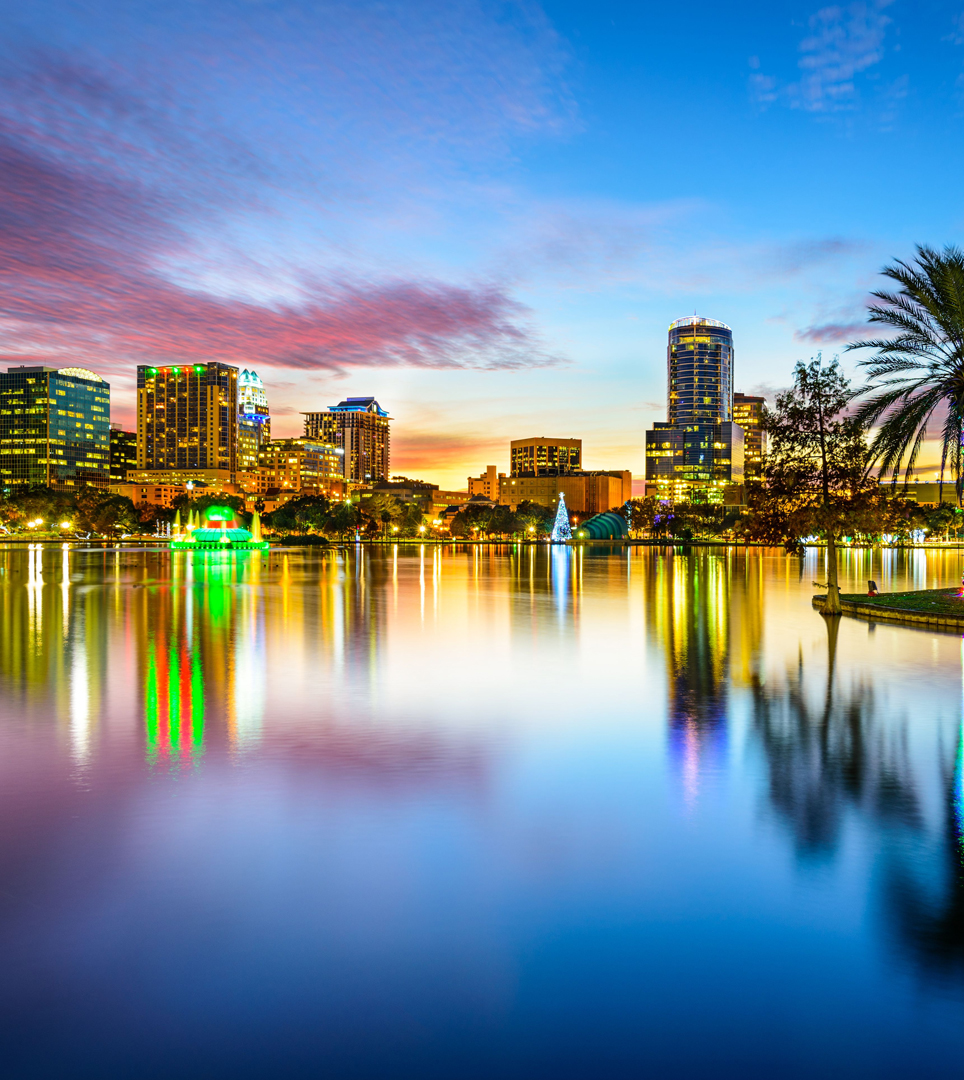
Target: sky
(484, 214)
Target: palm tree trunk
(832, 603)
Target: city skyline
(474, 216)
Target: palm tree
(921, 368)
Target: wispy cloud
(831, 333)
(102, 196)
(843, 42)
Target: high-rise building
(748, 413)
(544, 457)
(359, 427)
(698, 452)
(123, 453)
(187, 419)
(54, 428)
(254, 420)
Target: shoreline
(941, 609)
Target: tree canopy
(920, 369)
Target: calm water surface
(483, 813)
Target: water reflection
(837, 753)
(503, 791)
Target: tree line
(90, 511)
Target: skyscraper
(54, 428)
(254, 421)
(187, 419)
(359, 427)
(748, 413)
(699, 450)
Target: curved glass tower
(699, 363)
(698, 452)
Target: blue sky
(484, 214)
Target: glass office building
(699, 372)
(698, 451)
(54, 428)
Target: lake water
(490, 812)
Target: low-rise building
(922, 492)
(298, 467)
(487, 484)
(545, 457)
(585, 492)
(163, 490)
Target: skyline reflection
(457, 787)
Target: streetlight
(65, 524)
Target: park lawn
(929, 601)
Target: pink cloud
(831, 332)
(84, 240)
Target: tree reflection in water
(830, 758)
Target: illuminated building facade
(254, 419)
(360, 427)
(297, 467)
(748, 413)
(545, 457)
(54, 428)
(187, 419)
(123, 453)
(698, 452)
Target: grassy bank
(925, 601)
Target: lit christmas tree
(560, 528)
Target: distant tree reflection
(833, 755)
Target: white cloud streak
(842, 43)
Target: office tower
(544, 457)
(359, 427)
(187, 419)
(748, 413)
(123, 453)
(54, 428)
(699, 369)
(699, 450)
(254, 421)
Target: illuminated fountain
(218, 529)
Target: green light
(197, 704)
(176, 370)
(152, 370)
(174, 701)
(219, 513)
(150, 705)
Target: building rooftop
(698, 320)
(359, 404)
